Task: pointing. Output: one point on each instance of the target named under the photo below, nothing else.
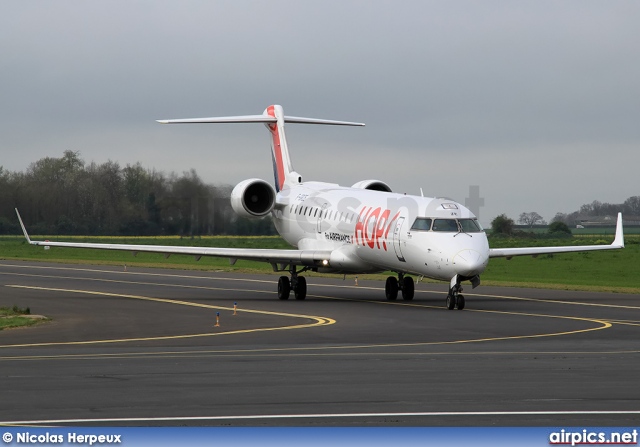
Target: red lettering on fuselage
(360, 231)
(370, 221)
(373, 227)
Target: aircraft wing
(273, 256)
(534, 251)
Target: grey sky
(538, 102)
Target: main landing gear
(404, 283)
(455, 299)
(297, 283)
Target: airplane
(365, 228)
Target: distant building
(583, 221)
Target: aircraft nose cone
(470, 262)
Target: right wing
(310, 258)
(508, 253)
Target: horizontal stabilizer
(299, 120)
(259, 119)
(223, 119)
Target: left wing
(310, 258)
(508, 253)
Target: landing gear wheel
(460, 302)
(300, 289)
(408, 288)
(284, 288)
(451, 302)
(391, 288)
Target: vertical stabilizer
(274, 119)
(283, 171)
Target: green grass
(15, 310)
(14, 247)
(616, 270)
(12, 317)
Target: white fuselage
(370, 231)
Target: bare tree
(531, 219)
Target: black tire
(460, 302)
(408, 288)
(391, 288)
(451, 302)
(300, 290)
(284, 288)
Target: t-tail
(274, 118)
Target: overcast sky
(538, 102)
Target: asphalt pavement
(169, 347)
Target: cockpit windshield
(421, 224)
(470, 225)
(447, 225)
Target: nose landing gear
(455, 299)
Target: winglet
(24, 230)
(619, 239)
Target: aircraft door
(321, 217)
(396, 239)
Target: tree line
(561, 222)
(630, 208)
(68, 196)
(503, 225)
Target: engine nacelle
(253, 198)
(375, 185)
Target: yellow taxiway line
(318, 321)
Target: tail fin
(282, 167)
(274, 119)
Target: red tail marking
(277, 149)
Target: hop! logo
(373, 227)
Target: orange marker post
(235, 308)
(217, 320)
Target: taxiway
(140, 347)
